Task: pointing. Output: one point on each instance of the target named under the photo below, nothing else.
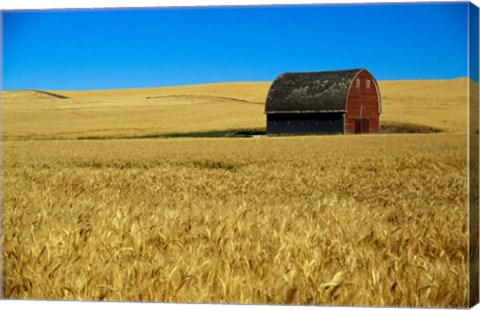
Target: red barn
(329, 102)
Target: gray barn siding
(305, 123)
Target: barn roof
(310, 92)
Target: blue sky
(126, 48)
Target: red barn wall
(362, 106)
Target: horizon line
(209, 83)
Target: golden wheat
(332, 220)
(336, 220)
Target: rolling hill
(35, 114)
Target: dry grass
(332, 220)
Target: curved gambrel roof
(325, 91)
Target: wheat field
(327, 220)
(196, 108)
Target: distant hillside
(134, 111)
(32, 94)
(437, 103)
(247, 91)
(208, 107)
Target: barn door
(365, 125)
(358, 125)
(362, 125)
